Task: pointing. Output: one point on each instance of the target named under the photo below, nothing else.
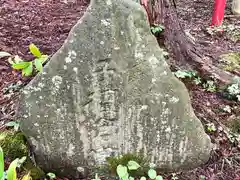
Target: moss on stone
(231, 61)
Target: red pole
(218, 12)
(144, 3)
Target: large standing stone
(108, 91)
(236, 7)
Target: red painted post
(218, 12)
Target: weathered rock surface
(109, 91)
(236, 7)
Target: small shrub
(183, 74)
(27, 67)
(11, 173)
(123, 172)
(232, 91)
(157, 29)
(210, 86)
(51, 175)
(211, 127)
(113, 162)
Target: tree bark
(184, 53)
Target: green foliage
(113, 162)
(27, 67)
(152, 174)
(27, 177)
(35, 51)
(11, 173)
(14, 124)
(234, 89)
(211, 127)
(193, 75)
(210, 86)
(227, 109)
(131, 166)
(1, 163)
(174, 176)
(183, 74)
(51, 175)
(157, 29)
(123, 174)
(202, 177)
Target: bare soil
(47, 24)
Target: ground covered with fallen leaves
(47, 24)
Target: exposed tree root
(184, 53)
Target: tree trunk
(184, 53)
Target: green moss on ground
(231, 61)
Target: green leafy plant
(1, 164)
(113, 162)
(51, 175)
(233, 90)
(210, 86)
(157, 28)
(182, 74)
(185, 74)
(202, 177)
(211, 127)
(227, 109)
(27, 67)
(11, 173)
(14, 124)
(174, 176)
(123, 174)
